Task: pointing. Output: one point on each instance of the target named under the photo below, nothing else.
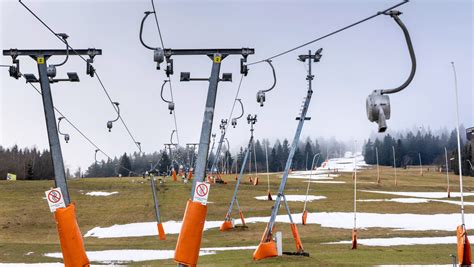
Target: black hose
(274, 76)
(67, 54)
(147, 13)
(242, 108)
(394, 15)
(161, 94)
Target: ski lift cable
(330, 34)
(163, 46)
(94, 71)
(80, 132)
(157, 24)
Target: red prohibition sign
(202, 190)
(54, 196)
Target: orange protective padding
(296, 237)
(161, 231)
(255, 182)
(464, 247)
(449, 194)
(269, 196)
(250, 180)
(265, 233)
(189, 239)
(72, 245)
(226, 225)
(304, 217)
(236, 178)
(242, 217)
(190, 175)
(354, 239)
(265, 250)
(173, 173)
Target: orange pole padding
(449, 194)
(304, 217)
(72, 245)
(265, 250)
(236, 178)
(269, 196)
(190, 175)
(161, 231)
(226, 225)
(354, 239)
(464, 247)
(255, 182)
(242, 217)
(173, 173)
(189, 239)
(296, 237)
(250, 180)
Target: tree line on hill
(33, 164)
(410, 147)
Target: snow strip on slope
(100, 194)
(342, 220)
(300, 198)
(401, 241)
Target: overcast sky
(370, 56)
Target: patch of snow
(29, 253)
(100, 194)
(417, 200)
(342, 220)
(136, 255)
(327, 182)
(420, 194)
(401, 241)
(313, 177)
(49, 264)
(300, 198)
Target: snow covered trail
(341, 220)
(400, 241)
(299, 198)
(421, 194)
(137, 255)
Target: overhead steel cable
(94, 70)
(80, 132)
(330, 34)
(157, 24)
(163, 46)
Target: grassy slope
(27, 225)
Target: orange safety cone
(190, 175)
(161, 231)
(265, 249)
(464, 247)
(354, 239)
(227, 224)
(70, 238)
(304, 217)
(269, 196)
(296, 237)
(173, 174)
(255, 182)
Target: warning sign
(201, 192)
(55, 199)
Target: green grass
(27, 225)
